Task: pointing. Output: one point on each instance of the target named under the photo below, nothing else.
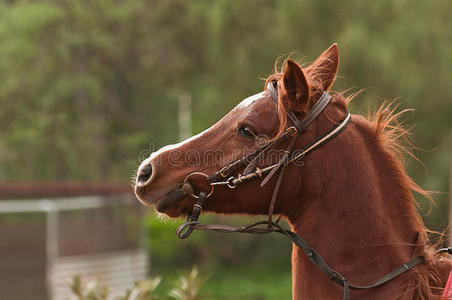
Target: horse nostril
(144, 174)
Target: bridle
(252, 171)
(250, 161)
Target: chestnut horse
(351, 199)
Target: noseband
(252, 171)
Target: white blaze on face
(244, 104)
(180, 144)
(250, 100)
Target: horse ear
(295, 88)
(324, 68)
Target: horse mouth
(164, 200)
(169, 199)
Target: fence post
(51, 212)
(184, 116)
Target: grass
(247, 284)
(261, 283)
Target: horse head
(254, 122)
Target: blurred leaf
(187, 286)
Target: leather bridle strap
(250, 161)
(318, 107)
(192, 221)
(314, 256)
(184, 232)
(229, 169)
(282, 166)
(296, 156)
(310, 115)
(251, 170)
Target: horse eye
(246, 132)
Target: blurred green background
(89, 88)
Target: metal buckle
(221, 171)
(294, 129)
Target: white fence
(117, 267)
(118, 271)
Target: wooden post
(184, 116)
(51, 243)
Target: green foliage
(202, 248)
(263, 282)
(90, 87)
(240, 266)
(224, 284)
(187, 286)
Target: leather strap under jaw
(282, 166)
(186, 231)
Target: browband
(311, 114)
(299, 125)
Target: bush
(186, 287)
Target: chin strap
(186, 229)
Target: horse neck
(362, 220)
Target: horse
(349, 195)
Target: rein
(252, 171)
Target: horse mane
(394, 137)
(386, 123)
(391, 134)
